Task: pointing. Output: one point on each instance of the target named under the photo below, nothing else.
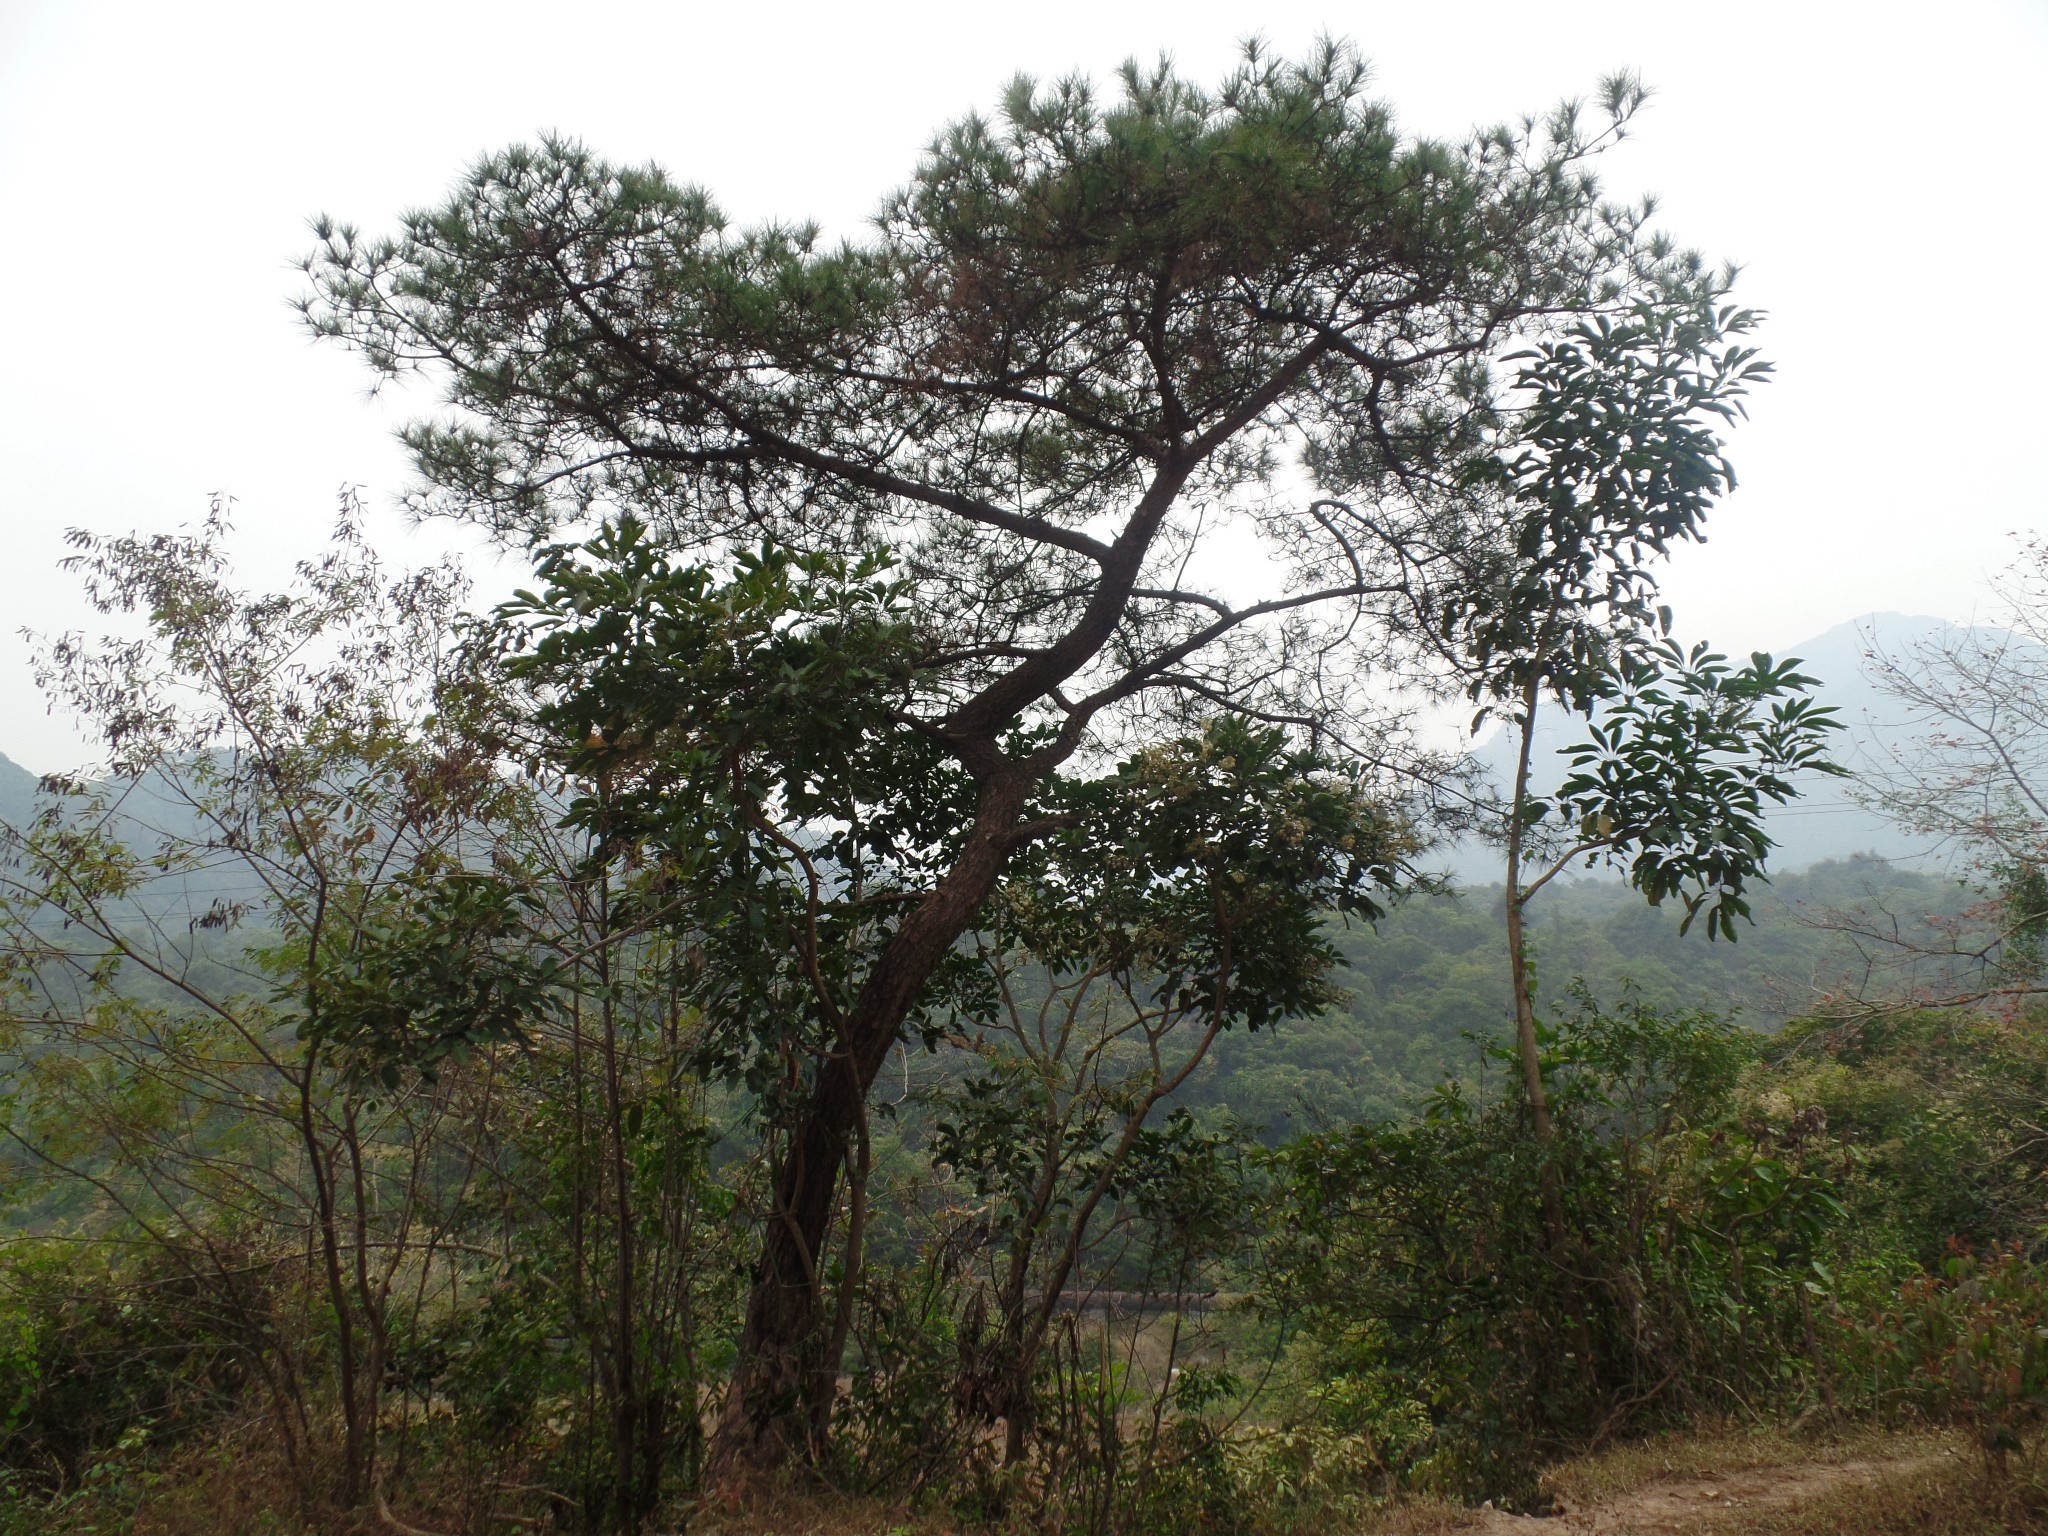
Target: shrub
(1448, 1321)
(97, 1358)
(1970, 1346)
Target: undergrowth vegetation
(1269, 1340)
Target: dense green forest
(876, 995)
(1426, 988)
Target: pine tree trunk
(768, 1417)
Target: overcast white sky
(1875, 167)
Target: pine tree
(1171, 406)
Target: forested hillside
(1427, 986)
(1419, 990)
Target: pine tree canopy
(1172, 402)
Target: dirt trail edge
(1684, 1505)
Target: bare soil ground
(1696, 1505)
(1858, 1483)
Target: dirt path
(1685, 1506)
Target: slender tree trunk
(767, 1418)
(825, 1389)
(1017, 1366)
(1518, 975)
(353, 1471)
(371, 1295)
(633, 1482)
(355, 1468)
(1821, 1378)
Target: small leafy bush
(96, 1359)
(1969, 1346)
(1447, 1323)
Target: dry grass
(1855, 1482)
(1726, 1483)
(1418, 1517)
(1948, 1498)
(819, 1514)
(1718, 1452)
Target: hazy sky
(1876, 168)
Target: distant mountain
(147, 814)
(1825, 822)
(17, 792)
